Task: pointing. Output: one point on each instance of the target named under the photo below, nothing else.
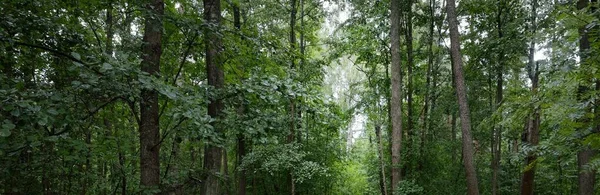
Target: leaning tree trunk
(212, 152)
(148, 126)
(461, 93)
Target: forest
(332, 97)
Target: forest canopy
(299, 97)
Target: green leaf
(52, 111)
(15, 112)
(106, 66)
(6, 127)
(76, 55)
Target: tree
(461, 94)
(396, 100)
(586, 178)
(293, 107)
(213, 152)
(409, 65)
(527, 181)
(497, 131)
(149, 108)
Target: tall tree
(396, 101)
(293, 106)
(409, 65)
(382, 183)
(527, 181)
(215, 75)
(149, 110)
(497, 131)
(586, 178)
(241, 139)
(461, 94)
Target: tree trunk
(149, 126)
(212, 152)
(527, 182)
(396, 101)
(586, 179)
(382, 185)
(241, 142)
(496, 132)
(410, 62)
(428, 91)
(461, 93)
(293, 111)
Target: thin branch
(95, 34)
(55, 52)
(185, 55)
(167, 132)
(134, 111)
(93, 112)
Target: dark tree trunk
(527, 182)
(453, 130)
(396, 101)
(382, 184)
(428, 91)
(212, 152)
(293, 108)
(149, 127)
(461, 93)
(241, 142)
(410, 64)
(586, 179)
(496, 132)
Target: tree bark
(410, 63)
(241, 142)
(382, 184)
(461, 93)
(428, 91)
(527, 182)
(212, 152)
(497, 131)
(586, 179)
(396, 101)
(149, 126)
(293, 111)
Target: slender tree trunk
(293, 111)
(242, 174)
(410, 63)
(212, 152)
(396, 101)
(149, 126)
(587, 179)
(109, 29)
(453, 130)
(241, 142)
(47, 171)
(225, 172)
(527, 181)
(382, 183)
(496, 132)
(428, 91)
(461, 93)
